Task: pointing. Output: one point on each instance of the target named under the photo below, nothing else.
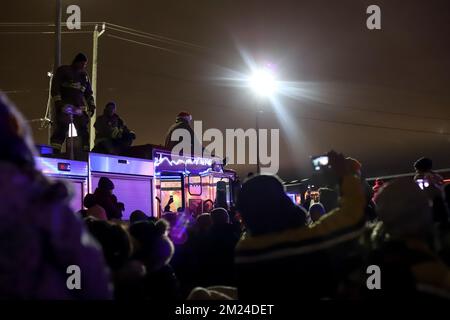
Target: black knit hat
(265, 207)
(81, 57)
(105, 183)
(423, 164)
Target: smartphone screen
(422, 183)
(319, 162)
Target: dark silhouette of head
(155, 249)
(16, 143)
(105, 184)
(138, 215)
(316, 210)
(220, 216)
(423, 165)
(204, 222)
(265, 207)
(328, 198)
(114, 240)
(110, 109)
(184, 116)
(404, 209)
(89, 200)
(80, 62)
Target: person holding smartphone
(277, 252)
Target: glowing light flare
(263, 82)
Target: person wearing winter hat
(220, 216)
(182, 122)
(40, 236)
(316, 210)
(410, 267)
(423, 165)
(404, 209)
(433, 185)
(112, 136)
(259, 214)
(105, 198)
(138, 215)
(424, 170)
(71, 87)
(216, 252)
(106, 184)
(204, 222)
(114, 239)
(155, 250)
(278, 247)
(329, 198)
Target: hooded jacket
(40, 237)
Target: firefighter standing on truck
(71, 91)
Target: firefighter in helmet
(182, 121)
(72, 94)
(112, 136)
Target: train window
(195, 185)
(171, 187)
(134, 192)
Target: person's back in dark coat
(105, 198)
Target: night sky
(380, 96)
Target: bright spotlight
(263, 82)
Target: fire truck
(147, 178)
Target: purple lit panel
(77, 201)
(135, 193)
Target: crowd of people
(264, 247)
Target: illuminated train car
(73, 172)
(191, 183)
(146, 180)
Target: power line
(39, 24)
(375, 126)
(403, 114)
(149, 37)
(42, 32)
(158, 36)
(171, 41)
(322, 104)
(347, 123)
(147, 45)
(115, 27)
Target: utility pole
(96, 35)
(57, 61)
(58, 35)
(258, 165)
